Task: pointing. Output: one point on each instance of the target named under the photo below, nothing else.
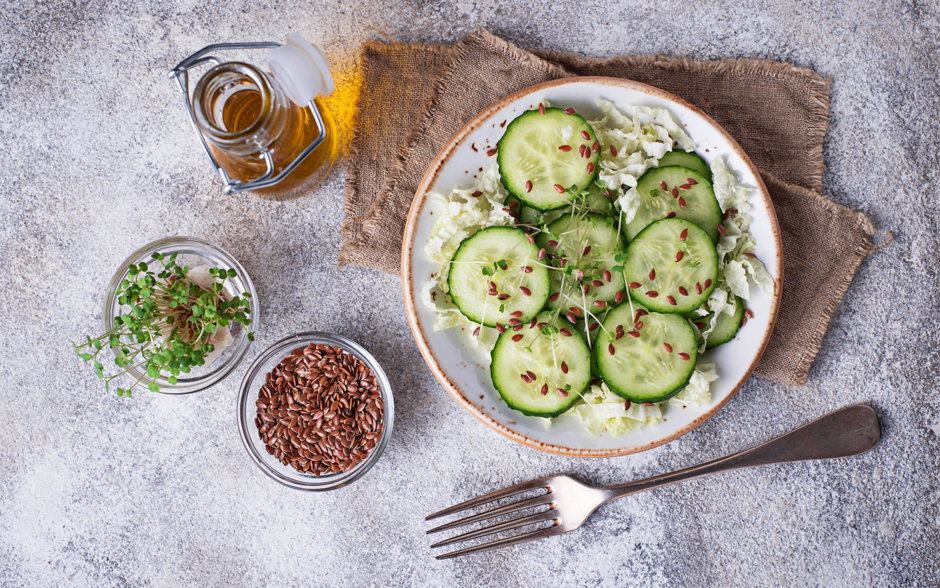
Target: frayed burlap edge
(864, 248)
(352, 241)
(819, 87)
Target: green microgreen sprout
(167, 329)
(497, 266)
(620, 258)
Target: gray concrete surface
(157, 490)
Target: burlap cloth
(416, 97)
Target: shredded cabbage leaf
(736, 260)
(728, 190)
(629, 203)
(638, 147)
(464, 214)
(735, 276)
(698, 391)
(760, 275)
(447, 314)
(601, 410)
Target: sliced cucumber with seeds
(588, 244)
(726, 327)
(488, 278)
(671, 267)
(531, 216)
(592, 200)
(679, 192)
(591, 335)
(597, 200)
(542, 159)
(689, 160)
(645, 356)
(541, 370)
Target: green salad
(596, 260)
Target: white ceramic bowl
(463, 369)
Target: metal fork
(848, 431)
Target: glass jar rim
(207, 123)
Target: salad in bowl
(596, 261)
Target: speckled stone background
(98, 159)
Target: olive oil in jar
(247, 117)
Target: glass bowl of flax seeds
(315, 411)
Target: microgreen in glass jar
(179, 317)
(267, 132)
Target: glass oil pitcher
(265, 132)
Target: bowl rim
(231, 364)
(245, 422)
(421, 196)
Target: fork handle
(848, 431)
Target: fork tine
(516, 489)
(514, 540)
(520, 505)
(545, 515)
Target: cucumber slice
(592, 334)
(652, 366)
(529, 215)
(540, 352)
(576, 234)
(687, 159)
(593, 200)
(693, 202)
(596, 201)
(515, 209)
(526, 215)
(671, 267)
(496, 257)
(726, 327)
(540, 154)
